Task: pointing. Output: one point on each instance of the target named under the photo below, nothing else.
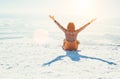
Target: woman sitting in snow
(70, 41)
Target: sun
(83, 7)
(83, 4)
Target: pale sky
(87, 8)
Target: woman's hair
(71, 27)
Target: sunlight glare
(84, 7)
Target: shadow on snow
(75, 56)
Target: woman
(70, 41)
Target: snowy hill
(32, 50)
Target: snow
(37, 54)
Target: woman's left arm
(83, 27)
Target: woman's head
(71, 27)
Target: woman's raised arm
(59, 25)
(83, 27)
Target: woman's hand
(52, 17)
(92, 20)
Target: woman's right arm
(59, 25)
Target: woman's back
(70, 36)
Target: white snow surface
(31, 51)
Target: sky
(85, 8)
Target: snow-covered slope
(31, 51)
